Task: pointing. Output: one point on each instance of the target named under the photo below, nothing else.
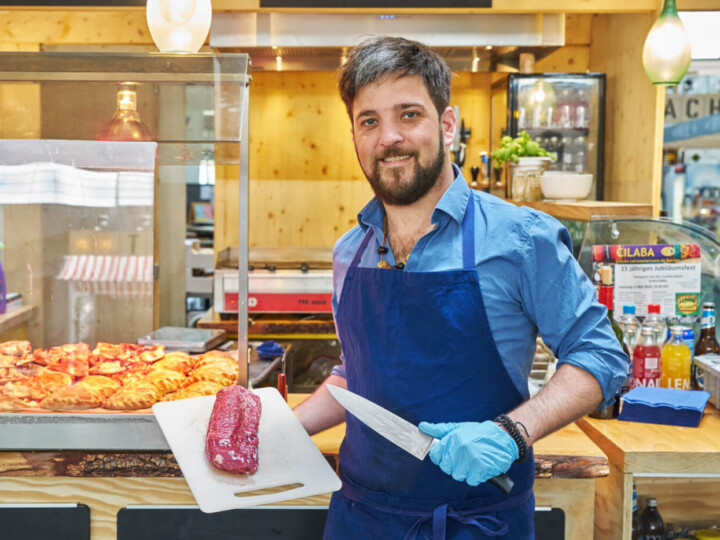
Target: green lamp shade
(666, 54)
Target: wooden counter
(679, 466)
(567, 465)
(14, 324)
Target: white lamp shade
(179, 26)
(666, 54)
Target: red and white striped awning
(109, 274)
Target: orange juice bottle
(676, 361)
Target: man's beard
(392, 192)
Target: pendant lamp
(125, 124)
(179, 26)
(666, 54)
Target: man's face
(399, 139)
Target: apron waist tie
(440, 515)
(476, 517)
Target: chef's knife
(395, 429)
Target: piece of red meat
(232, 441)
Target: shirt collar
(452, 203)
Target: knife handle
(503, 482)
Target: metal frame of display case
(127, 431)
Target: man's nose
(390, 134)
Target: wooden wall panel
(299, 129)
(308, 213)
(568, 59)
(634, 117)
(118, 26)
(578, 29)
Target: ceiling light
(179, 26)
(666, 54)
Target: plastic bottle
(655, 318)
(652, 523)
(630, 326)
(676, 361)
(647, 362)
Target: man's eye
(369, 122)
(411, 114)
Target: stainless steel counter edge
(117, 432)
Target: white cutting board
(286, 455)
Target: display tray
(75, 397)
(190, 340)
(135, 431)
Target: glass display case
(96, 150)
(565, 114)
(652, 231)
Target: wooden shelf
(586, 210)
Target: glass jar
(518, 186)
(533, 191)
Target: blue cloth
(439, 364)
(670, 406)
(528, 276)
(269, 350)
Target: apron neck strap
(468, 238)
(361, 249)
(468, 235)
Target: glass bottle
(647, 362)
(653, 527)
(125, 125)
(636, 528)
(706, 343)
(655, 319)
(676, 360)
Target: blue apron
(419, 344)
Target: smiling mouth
(395, 158)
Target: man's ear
(449, 125)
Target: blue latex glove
(472, 452)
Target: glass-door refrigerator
(565, 114)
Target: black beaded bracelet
(512, 428)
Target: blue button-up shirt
(529, 279)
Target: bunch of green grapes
(521, 146)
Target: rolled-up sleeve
(560, 298)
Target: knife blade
(397, 430)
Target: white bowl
(565, 186)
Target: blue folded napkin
(269, 350)
(664, 406)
